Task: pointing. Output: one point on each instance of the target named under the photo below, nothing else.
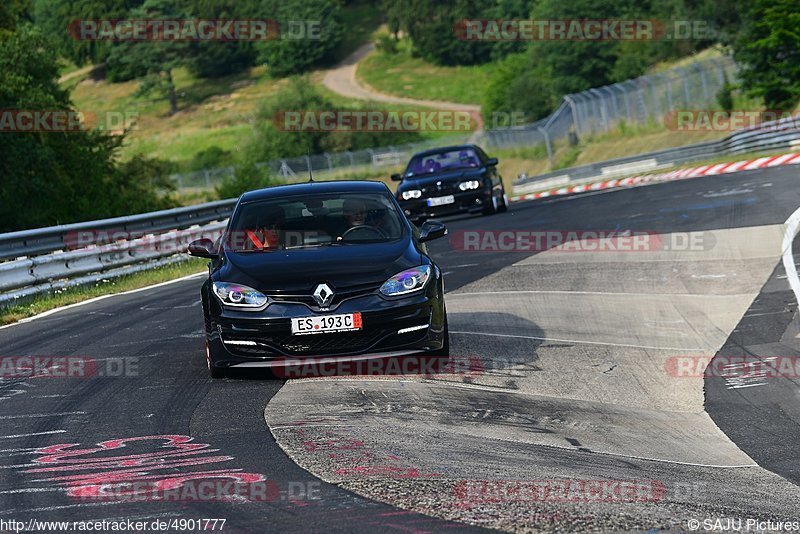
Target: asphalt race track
(581, 378)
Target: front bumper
(465, 202)
(265, 339)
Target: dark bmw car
(321, 270)
(448, 181)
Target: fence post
(703, 82)
(573, 108)
(548, 146)
(330, 162)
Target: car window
(464, 158)
(314, 220)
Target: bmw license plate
(323, 324)
(441, 201)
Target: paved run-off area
(578, 382)
(581, 353)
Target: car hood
(300, 270)
(426, 180)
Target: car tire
(503, 203)
(216, 372)
(491, 209)
(213, 370)
(444, 352)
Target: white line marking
(30, 415)
(792, 226)
(102, 297)
(29, 490)
(33, 434)
(584, 342)
(559, 292)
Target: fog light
(407, 212)
(478, 201)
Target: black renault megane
(321, 269)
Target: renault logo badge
(323, 295)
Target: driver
(355, 212)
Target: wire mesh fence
(639, 101)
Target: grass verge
(48, 301)
(401, 74)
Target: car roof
(441, 149)
(305, 188)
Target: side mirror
(202, 248)
(397, 178)
(431, 230)
(491, 161)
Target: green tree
(214, 59)
(49, 178)
(518, 87)
(12, 11)
(288, 55)
(55, 16)
(156, 60)
(768, 51)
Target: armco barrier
(28, 276)
(774, 135)
(52, 238)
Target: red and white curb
(680, 174)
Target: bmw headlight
(408, 281)
(472, 184)
(239, 296)
(411, 193)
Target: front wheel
(503, 203)
(444, 352)
(213, 370)
(491, 208)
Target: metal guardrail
(28, 276)
(53, 238)
(773, 135)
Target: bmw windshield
(314, 221)
(443, 161)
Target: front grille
(434, 191)
(340, 295)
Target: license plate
(323, 324)
(441, 201)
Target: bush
(246, 177)
(211, 158)
(725, 95)
(269, 143)
(386, 44)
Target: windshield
(432, 163)
(314, 221)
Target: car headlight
(411, 193)
(472, 184)
(408, 281)
(239, 296)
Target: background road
(575, 348)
